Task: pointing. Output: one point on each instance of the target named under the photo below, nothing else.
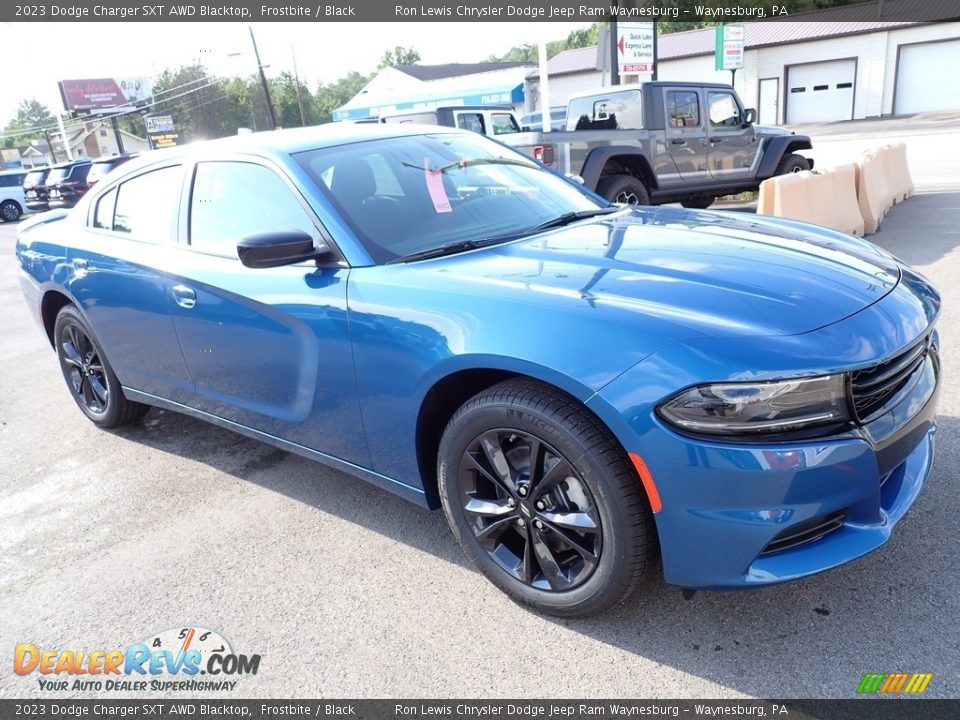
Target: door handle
(185, 297)
(678, 141)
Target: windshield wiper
(570, 217)
(448, 249)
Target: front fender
(775, 148)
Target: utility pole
(263, 81)
(656, 58)
(614, 58)
(296, 79)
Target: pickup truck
(660, 142)
(493, 120)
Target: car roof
(290, 141)
(14, 171)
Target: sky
(324, 52)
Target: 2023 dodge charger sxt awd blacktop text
(578, 385)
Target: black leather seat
(381, 219)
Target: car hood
(705, 273)
(771, 130)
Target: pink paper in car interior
(434, 178)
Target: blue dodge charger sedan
(584, 388)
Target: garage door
(820, 92)
(927, 78)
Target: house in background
(96, 138)
(420, 87)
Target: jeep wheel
(623, 189)
(792, 163)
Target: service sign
(729, 47)
(95, 94)
(160, 124)
(635, 47)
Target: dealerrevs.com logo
(191, 659)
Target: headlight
(769, 407)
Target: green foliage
(331, 96)
(31, 115)
(399, 56)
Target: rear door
(267, 348)
(118, 265)
(733, 148)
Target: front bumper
(737, 515)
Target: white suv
(12, 200)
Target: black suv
(67, 183)
(35, 189)
(102, 166)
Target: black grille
(805, 532)
(873, 387)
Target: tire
(89, 377)
(698, 203)
(792, 163)
(10, 211)
(623, 189)
(518, 526)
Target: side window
(683, 109)
(724, 111)
(233, 200)
(146, 206)
(103, 215)
(471, 121)
(503, 123)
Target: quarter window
(146, 205)
(103, 215)
(233, 200)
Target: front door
(685, 156)
(266, 348)
(732, 144)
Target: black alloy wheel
(90, 379)
(543, 499)
(530, 510)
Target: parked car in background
(534, 121)
(423, 308)
(67, 183)
(35, 190)
(102, 166)
(13, 203)
(484, 119)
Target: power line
(108, 116)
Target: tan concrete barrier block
(765, 197)
(834, 199)
(898, 172)
(873, 195)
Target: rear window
(57, 174)
(35, 178)
(620, 110)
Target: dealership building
(793, 72)
(799, 72)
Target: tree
(399, 56)
(333, 95)
(29, 123)
(286, 104)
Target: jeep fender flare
(598, 158)
(776, 148)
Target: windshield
(406, 195)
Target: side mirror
(275, 249)
(749, 117)
(575, 178)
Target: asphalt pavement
(346, 591)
